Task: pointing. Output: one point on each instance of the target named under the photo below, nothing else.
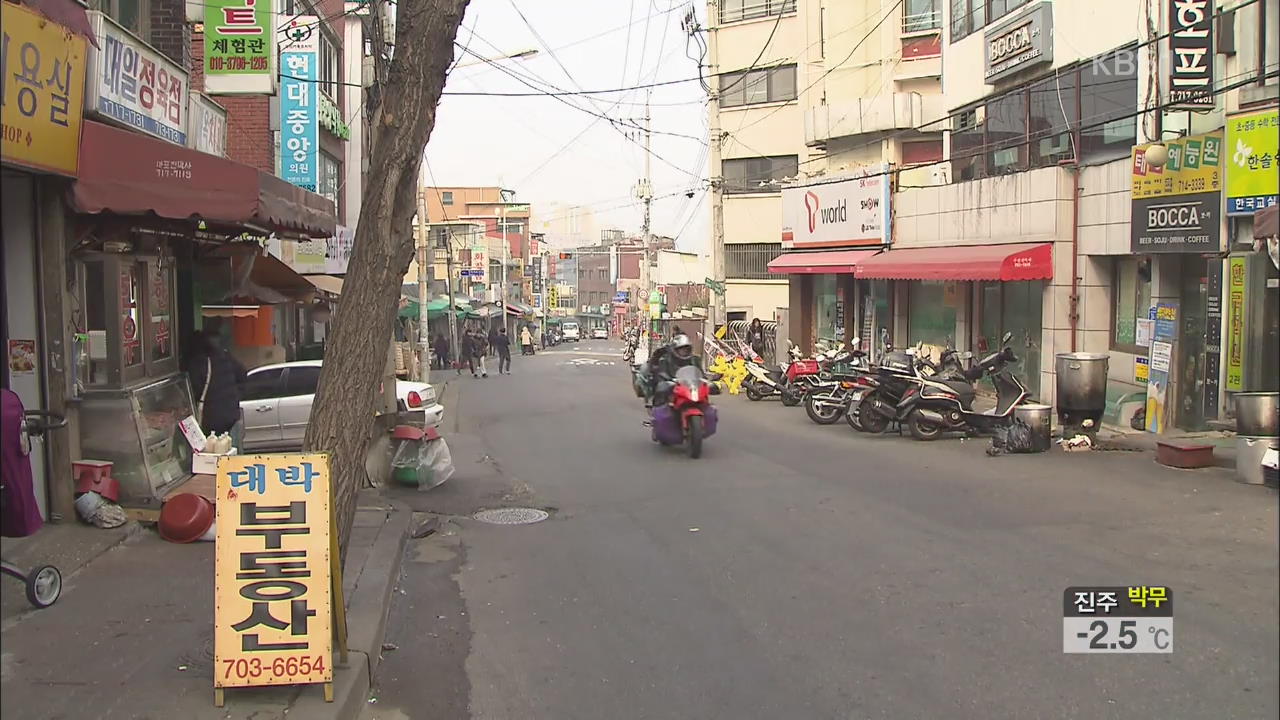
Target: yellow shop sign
(43, 69)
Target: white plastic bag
(424, 463)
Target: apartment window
(758, 175)
(446, 197)
(134, 15)
(329, 174)
(739, 10)
(758, 86)
(921, 16)
(970, 16)
(1031, 126)
(328, 68)
(750, 261)
(1108, 95)
(1132, 282)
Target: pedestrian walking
(502, 343)
(468, 351)
(442, 351)
(493, 346)
(480, 350)
(526, 341)
(215, 379)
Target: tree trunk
(356, 352)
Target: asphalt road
(804, 572)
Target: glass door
(1189, 413)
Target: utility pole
(424, 251)
(503, 295)
(718, 312)
(453, 305)
(645, 191)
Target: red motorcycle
(687, 417)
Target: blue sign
(300, 119)
(471, 273)
(622, 296)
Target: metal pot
(1082, 387)
(1040, 419)
(1258, 414)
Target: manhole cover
(512, 516)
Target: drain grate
(512, 516)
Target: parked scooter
(895, 383)
(946, 405)
(791, 382)
(829, 400)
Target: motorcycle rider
(665, 361)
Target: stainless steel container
(1258, 414)
(1249, 452)
(1040, 419)
(1082, 387)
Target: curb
(368, 607)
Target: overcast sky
(527, 143)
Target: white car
(276, 403)
(599, 334)
(570, 332)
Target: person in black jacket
(502, 343)
(216, 376)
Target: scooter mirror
(1007, 337)
(855, 342)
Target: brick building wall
(170, 33)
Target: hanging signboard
(1212, 336)
(132, 85)
(1253, 143)
(239, 47)
(300, 102)
(1237, 281)
(1177, 207)
(1160, 365)
(1191, 54)
(272, 572)
(207, 128)
(43, 92)
(844, 213)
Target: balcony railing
(922, 21)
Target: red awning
(129, 173)
(1019, 261)
(67, 13)
(819, 263)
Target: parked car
(276, 403)
(600, 334)
(569, 332)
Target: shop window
(92, 366)
(1131, 280)
(329, 171)
(758, 86)
(931, 312)
(825, 301)
(1006, 131)
(125, 325)
(130, 311)
(159, 312)
(1052, 114)
(758, 175)
(1031, 126)
(1108, 95)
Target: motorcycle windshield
(1008, 391)
(689, 376)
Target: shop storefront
(40, 154)
(1176, 238)
(148, 213)
(1252, 284)
(967, 297)
(827, 229)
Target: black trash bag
(1015, 438)
(1139, 419)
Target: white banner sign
(132, 85)
(852, 212)
(208, 126)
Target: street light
(518, 55)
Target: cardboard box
(207, 463)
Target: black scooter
(895, 385)
(947, 405)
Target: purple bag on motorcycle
(666, 426)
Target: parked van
(570, 331)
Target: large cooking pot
(1258, 414)
(1082, 380)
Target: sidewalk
(132, 635)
